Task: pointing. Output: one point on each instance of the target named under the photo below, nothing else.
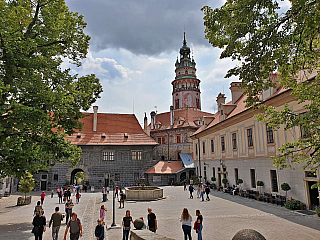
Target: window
(212, 145)
(213, 172)
(178, 139)
(136, 155)
(204, 147)
(249, 136)
(163, 140)
(236, 174)
(159, 140)
(310, 174)
(304, 132)
(177, 103)
(274, 180)
(117, 176)
(223, 147)
(205, 172)
(196, 149)
(55, 177)
(234, 141)
(253, 178)
(136, 177)
(269, 134)
(108, 155)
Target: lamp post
(114, 206)
(199, 159)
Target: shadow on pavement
(16, 231)
(282, 212)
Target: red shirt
(42, 195)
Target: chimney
(145, 122)
(221, 99)
(95, 118)
(236, 91)
(171, 116)
(153, 119)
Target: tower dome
(186, 86)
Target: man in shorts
(75, 228)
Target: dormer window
(221, 112)
(79, 135)
(103, 135)
(126, 135)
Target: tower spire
(184, 39)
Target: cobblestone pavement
(223, 216)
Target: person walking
(117, 191)
(199, 224)
(126, 223)
(37, 209)
(60, 196)
(122, 198)
(68, 209)
(103, 211)
(65, 196)
(68, 193)
(56, 219)
(99, 231)
(78, 195)
(39, 226)
(52, 193)
(152, 221)
(42, 195)
(75, 228)
(198, 190)
(207, 191)
(191, 189)
(201, 192)
(186, 220)
(184, 185)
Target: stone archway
(72, 171)
(73, 179)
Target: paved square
(223, 216)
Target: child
(102, 213)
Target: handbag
(35, 230)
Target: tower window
(177, 103)
(186, 72)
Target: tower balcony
(186, 89)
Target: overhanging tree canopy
(266, 39)
(39, 101)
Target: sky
(133, 49)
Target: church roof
(112, 129)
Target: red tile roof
(240, 107)
(187, 118)
(111, 130)
(165, 167)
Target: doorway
(73, 174)
(219, 179)
(313, 195)
(43, 185)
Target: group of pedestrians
(186, 220)
(127, 220)
(73, 223)
(201, 190)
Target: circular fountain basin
(144, 193)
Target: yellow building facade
(235, 145)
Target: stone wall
(144, 234)
(96, 169)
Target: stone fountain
(144, 193)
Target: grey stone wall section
(95, 167)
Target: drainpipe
(199, 158)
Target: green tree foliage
(266, 39)
(40, 102)
(26, 183)
(80, 177)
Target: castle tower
(186, 86)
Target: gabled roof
(112, 129)
(183, 118)
(165, 167)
